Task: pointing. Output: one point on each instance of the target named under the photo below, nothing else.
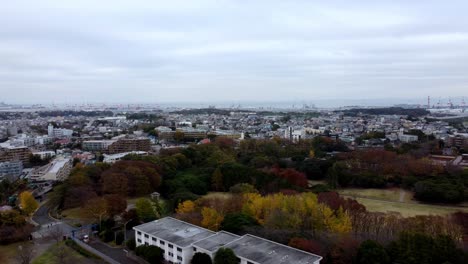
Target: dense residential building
(129, 144)
(180, 241)
(57, 170)
(44, 154)
(11, 170)
(458, 140)
(11, 153)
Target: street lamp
(125, 230)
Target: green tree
(371, 252)
(145, 210)
(152, 254)
(225, 256)
(201, 258)
(235, 222)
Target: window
(170, 246)
(154, 239)
(139, 233)
(146, 236)
(194, 249)
(179, 258)
(146, 243)
(179, 249)
(248, 262)
(170, 254)
(139, 240)
(161, 242)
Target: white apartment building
(97, 145)
(181, 240)
(58, 132)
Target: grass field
(396, 200)
(223, 195)
(408, 209)
(393, 194)
(69, 255)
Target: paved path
(117, 254)
(47, 225)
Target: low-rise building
(180, 240)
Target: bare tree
(25, 254)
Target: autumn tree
(211, 218)
(27, 202)
(115, 204)
(96, 209)
(306, 245)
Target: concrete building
(58, 132)
(96, 145)
(407, 138)
(11, 170)
(111, 158)
(44, 154)
(57, 170)
(180, 241)
(459, 141)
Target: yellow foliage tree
(185, 207)
(28, 203)
(300, 211)
(211, 218)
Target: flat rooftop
(261, 250)
(175, 231)
(213, 243)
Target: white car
(86, 238)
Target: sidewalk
(117, 254)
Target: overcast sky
(252, 50)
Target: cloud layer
(207, 50)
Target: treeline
(380, 168)
(414, 112)
(206, 111)
(74, 113)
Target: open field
(393, 194)
(223, 195)
(408, 209)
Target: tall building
(180, 240)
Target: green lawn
(8, 252)
(50, 256)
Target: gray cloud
(160, 51)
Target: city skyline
(227, 51)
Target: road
(48, 225)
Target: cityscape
(229, 132)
